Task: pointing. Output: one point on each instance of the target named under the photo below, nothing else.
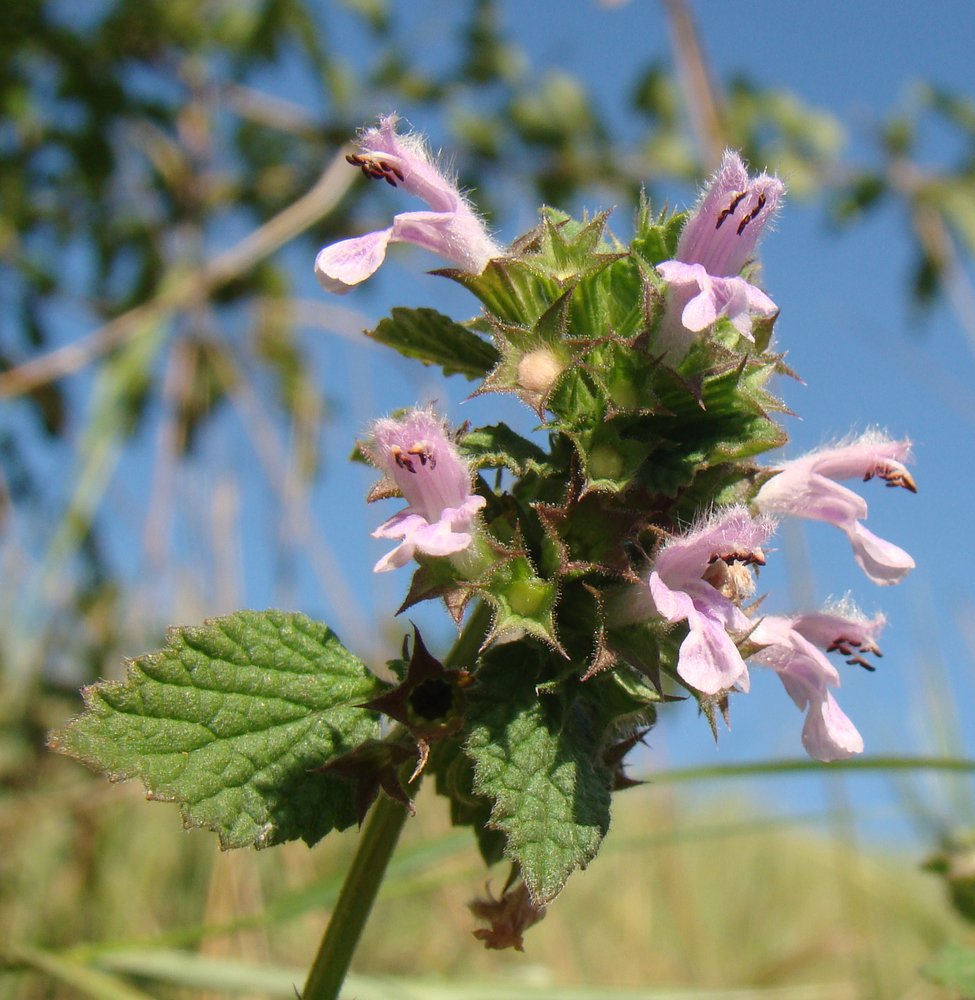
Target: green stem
(376, 846)
(354, 904)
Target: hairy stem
(376, 845)
(359, 891)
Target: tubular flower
(717, 241)
(697, 578)
(794, 649)
(806, 487)
(416, 454)
(451, 229)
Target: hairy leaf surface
(435, 339)
(536, 758)
(230, 720)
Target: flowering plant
(594, 578)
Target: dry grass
(722, 902)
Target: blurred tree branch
(186, 289)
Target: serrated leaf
(435, 339)
(536, 759)
(498, 446)
(230, 720)
(454, 774)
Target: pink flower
(695, 578)
(451, 229)
(716, 243)
(416, 454)
(805, 487)
(793, 648)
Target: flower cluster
(594, 577)
(702, 577)
(649, 516)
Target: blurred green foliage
(669, 905)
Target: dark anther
(759, 205)
(374, 168)
(401, 460)
(422, 451)
(852, 650)
(754, 557)
(893, 477)
(730, 210)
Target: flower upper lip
(724, 229)
(717, 241)
(807, 487)
(451, 229)
(418, 456)
(708, 659)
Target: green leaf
(435, 339)
(610, 458)
(536, 758)
(454, 773)
(611, 299)
(590, 533)
(954, 967)
(656, 239)
(510, 288)
(231, 720)
(639, 645)
(568, 250)
(620, 697)
(624, 374)
(498, 446)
